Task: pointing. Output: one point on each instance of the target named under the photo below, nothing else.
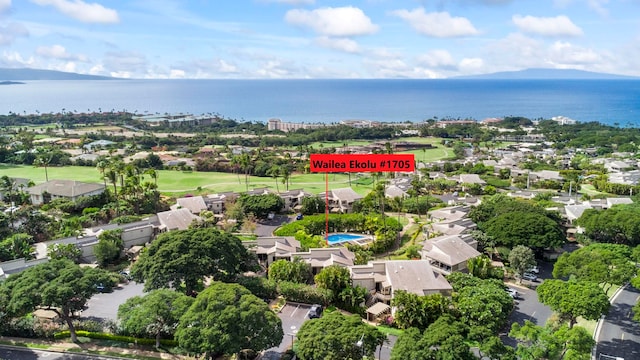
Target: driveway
(104, 306)
(267, 227)
(619, 335)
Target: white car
(534, 270)
(530, 276)
(514, 294)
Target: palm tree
(274, 172)
(112, 176)
(286, 175)
(102, 166)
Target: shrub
(304, 293)
(259, 286)
(104, 336)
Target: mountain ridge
(21, 74)
(547, 74)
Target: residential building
(449, 253)
(63, 189)
(384, 278)
(277, 124)
(216, 202)
(195, 204)
(320, 258)
(471, 179)
(17, 185)
(341, 200)
(573, 212)
(178, 219)
(293, 199)
(618, 201)
(270, 249)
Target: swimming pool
(338, 238)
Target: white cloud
(471, 65)
(177, 74)
(58, 52)
(225, 67)
(340, 44)
(4, 5)
(436, 24)
(82, 11)
(329, 21)
(11, 32)
(437, 59)
(565, 53)
(14, 59)
(547, 26)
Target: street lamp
(294, 331)
(360, 344)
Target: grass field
(179, 183)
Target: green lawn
(181, 182)
(430, 155)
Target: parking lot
(293, 316)
(104, 306)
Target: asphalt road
(10, 353)
(104, 306)
(266, 227)
(619, 335)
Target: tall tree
(274, 172)
(537, 342)
(337, 337)
(183, 258)
(607, 264)
(298, 271)
(571, 299)
(58, 285)
(521, 259)
(155, 314)
(443, 340)
(225, 319)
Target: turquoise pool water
(342, 237)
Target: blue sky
(318, 38)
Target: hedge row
(104, 336)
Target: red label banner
(329, 163)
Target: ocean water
(607, 101)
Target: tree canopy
(521, 259)
(619, 224)
(337, 337)
(537, 342)
(226, 319)
(261, 205)
(442, 340)
(418, 311)
(571, 299)
(607, 264)
(181, 259)
(513, 222)
(155, 314)
(297, 271)
(59, 285)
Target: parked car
(514, 294)
(315, 311)
(101, 288)
(534, 270)
(530, 276)
(299, 217)
(271, 216)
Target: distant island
(10, 82)
(547, 74)
(8, 74)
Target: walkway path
(90, 348)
